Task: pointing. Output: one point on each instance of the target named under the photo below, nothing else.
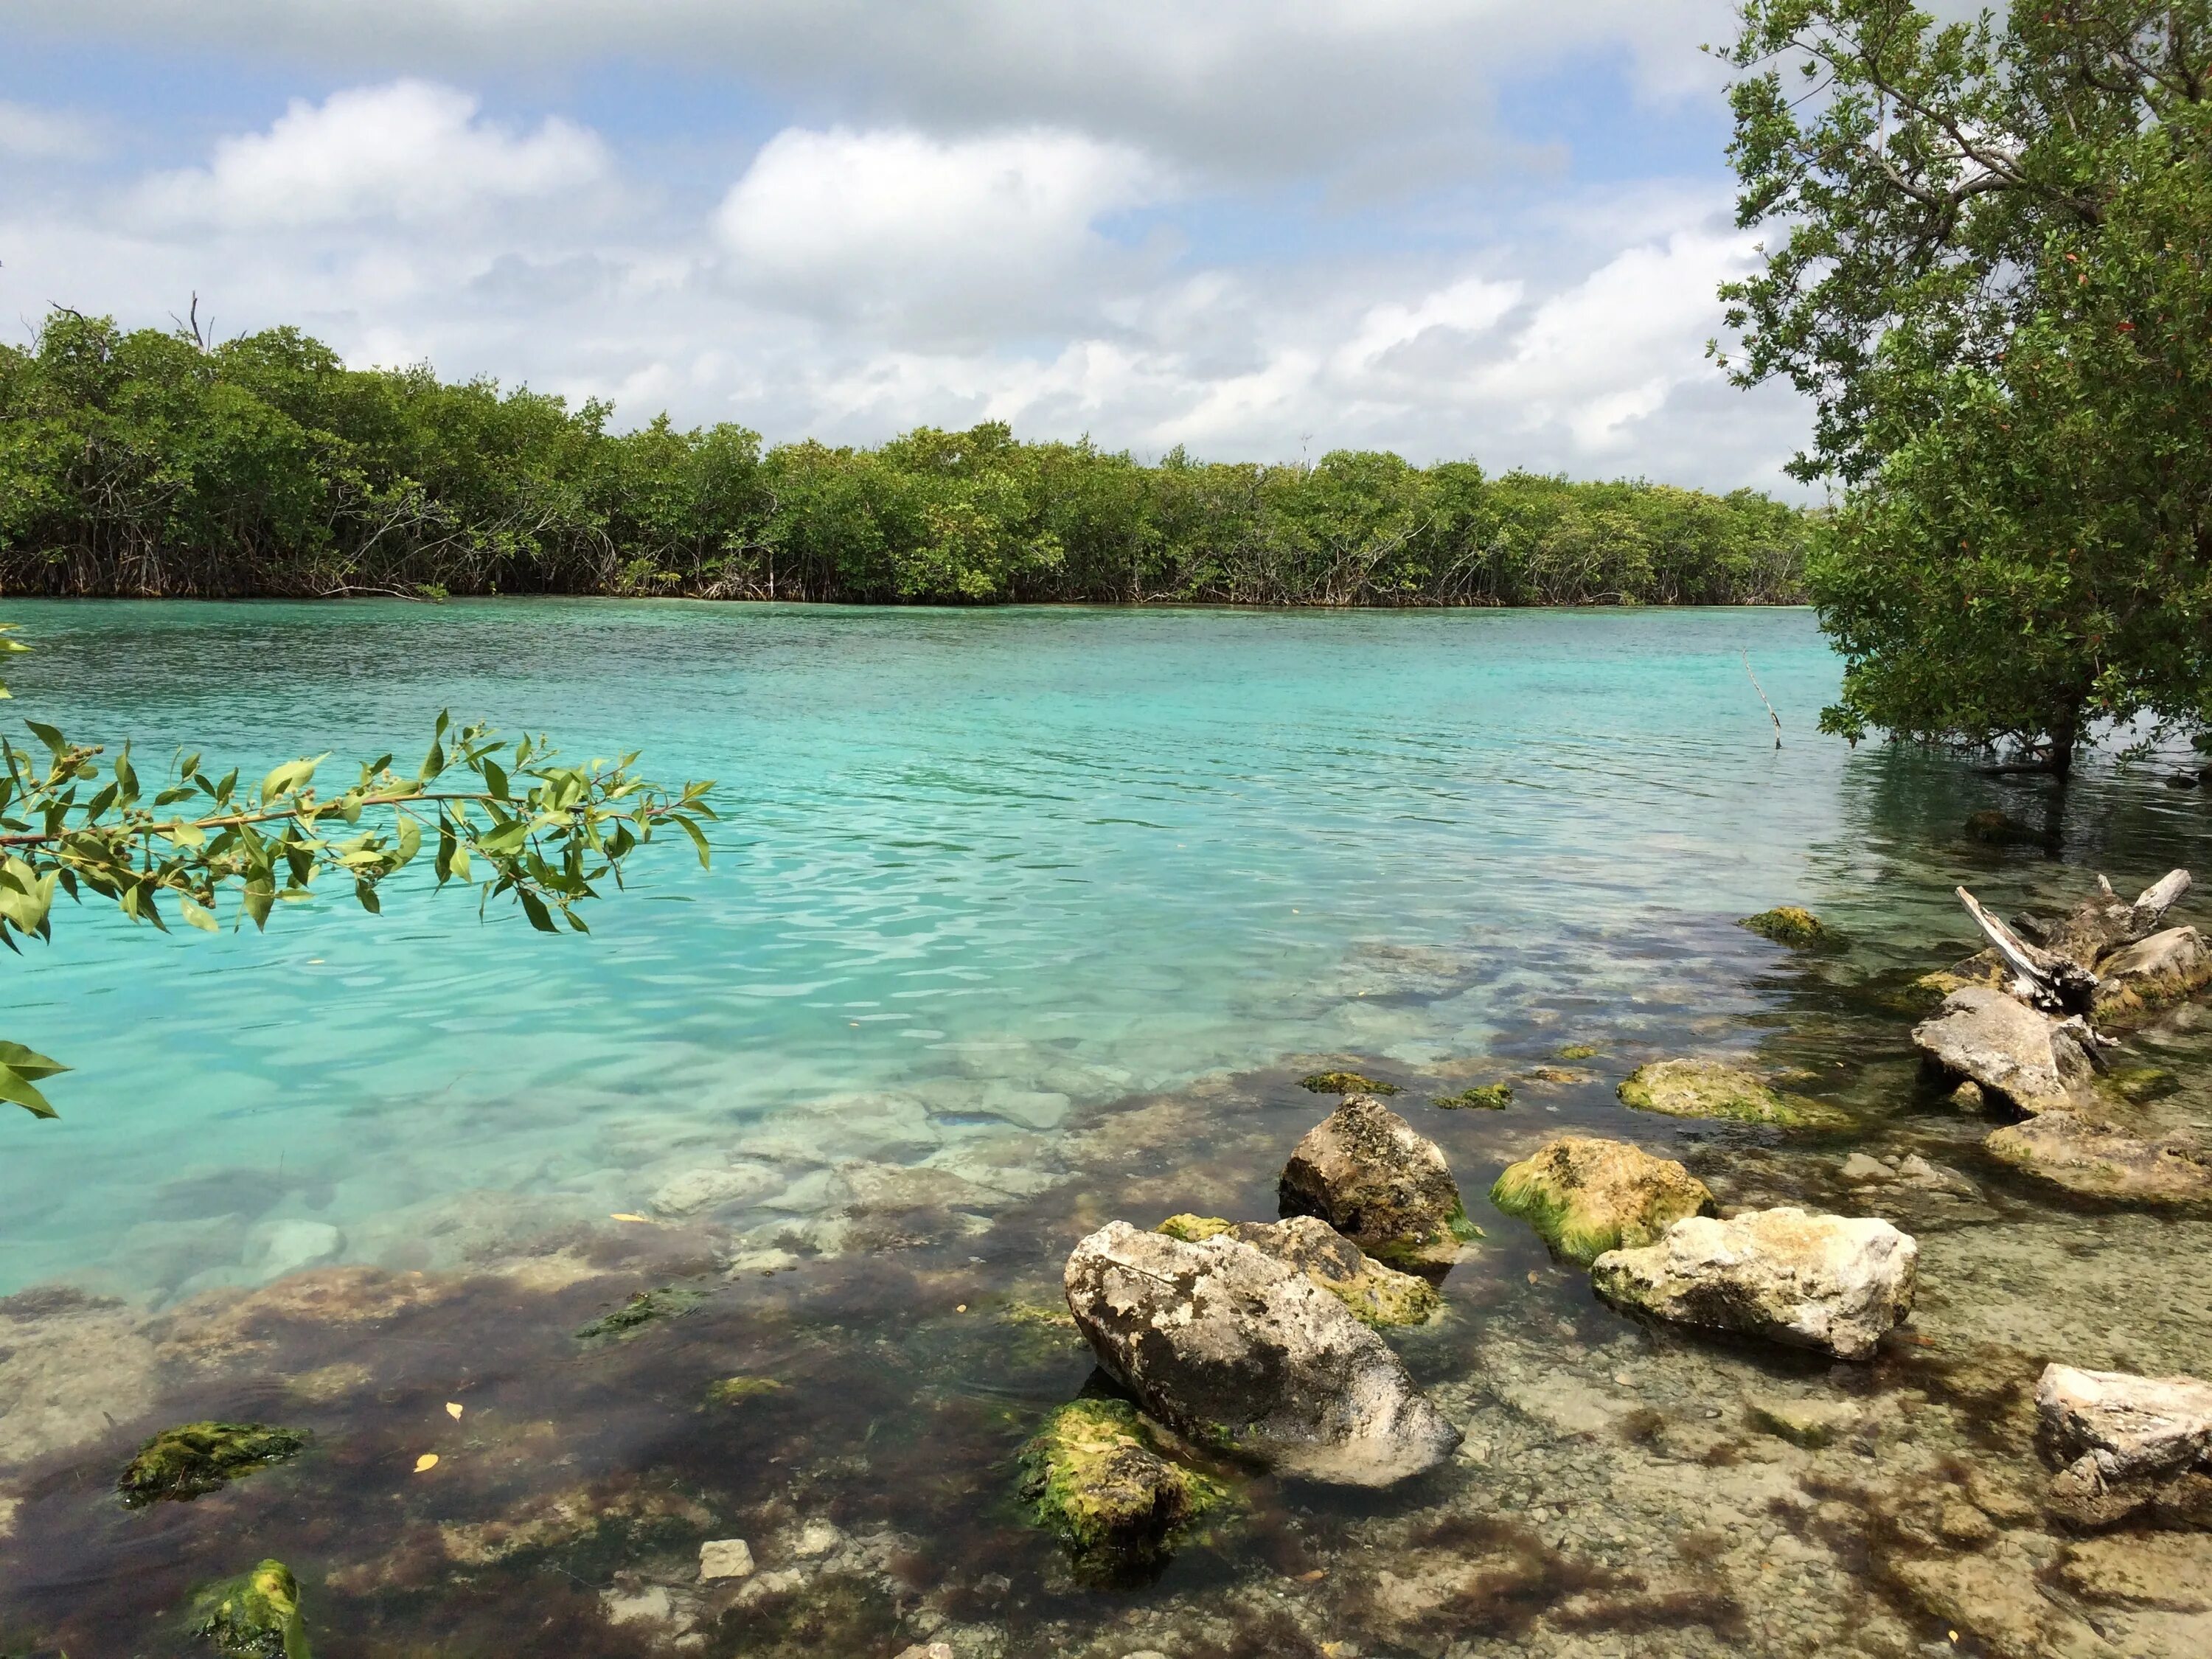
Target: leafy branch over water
(507, 819)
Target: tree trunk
(2065, 733)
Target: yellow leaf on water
(426, 1462)
(624, 1215)
(452, 1410)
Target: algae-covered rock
(1369, 1174)
(254, 1616)
(1094, 1477)
(2141, 1085)
(1828, 1282)
(1234, 1348)
(645, 1307)
(1346, 1083)
(1788, 924)
(1374, 1294)
(1710, 1089)
(1579, 1051)
(1586, 1196)
(1192, 1228)
(731, 1390)
(2026, 1059)
(196, 1458)
(2102, 1160)
(2153, 973)
(1489, 1097)
(1811, 1424)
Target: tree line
(154, 463)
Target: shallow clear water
(1020, 920)
(1049, 852)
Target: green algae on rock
(1710, 1089)
(642, 1309)
(1579, 1051)
(1092, 1477)
(1346, 1083)
(253, 1616)
(733, 1389)
(1489, 1097)
(196, 1458)
(1192, 1228)
(2140, 1085)
(1788, 924)
(1369, 1174)
(2098, 1159)
(1585, 1196)
(1376, 1294)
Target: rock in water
(1367, 1172)
(1587, 1196)
(1788, 924)
(2101, 1160)
(1373, 1293)
(1236, 1349)
(2124, 1441)
(1819, 1281)
(194, 1459)
(2166, 968)
(2026, 1059)
(1094, 1478)
(1707, 1088)
(255, 1616)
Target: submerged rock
(645, 1307)
(1093, 1477)
(1811, 1424)
(1586, 1196)
(1489, 1097)
(2026, 1059)
(1819, 1281)
(1236, 1349)
(725, 1558)
(1191, 1228)
(1788, 924)
(2124, 1441)
(1710, 1089)
(254, 1616)
(2164, 968)
(1369, 1174)
(2101, 1160)
(196, 1458)
(1346, 1083)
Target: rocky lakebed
(1866, 1318)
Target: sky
(1260, 229)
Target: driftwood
(2060, 975)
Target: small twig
(1771, 714)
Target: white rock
(1858, 1169)
(2006, 1047)
(651, 1605)
(2121, 1437)
(2165, 968)
(1820, 1281)
(278, 1248)
(695, 1189)
(817, 1538)
(725, 1558)
(1222, 1340)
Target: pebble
(725, 1558)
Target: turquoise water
(976, 871)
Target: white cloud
(43, 135)
(845, 222)
(410, 151)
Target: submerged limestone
(1488, 1098)
(1710, 1089)
(2125, 1443)
(1346, 1083)
(1236, 1349)
(195, 1459)
(1367, 1172)
(1094, 1477)
(1819, 1281)
(645, 1307)
(2030, 1061)
(254, 1616)
(1585, 1196)
(1788, 924)
(1376, 1294)
(2100, 1159)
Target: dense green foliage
(1993, 284)
(142, 462)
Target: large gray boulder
(2099, 1159)
(1383, 1185)
(2028, 1059)
(1236, 1349)
(1817, 1282)
(2164, 968)
(2124, 1442)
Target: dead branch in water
(1771, 714)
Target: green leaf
(534, 908)
(291, 777)
(50, 737)
(198, 916)
(495, 776)
(20, 1068)
(698, 839)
